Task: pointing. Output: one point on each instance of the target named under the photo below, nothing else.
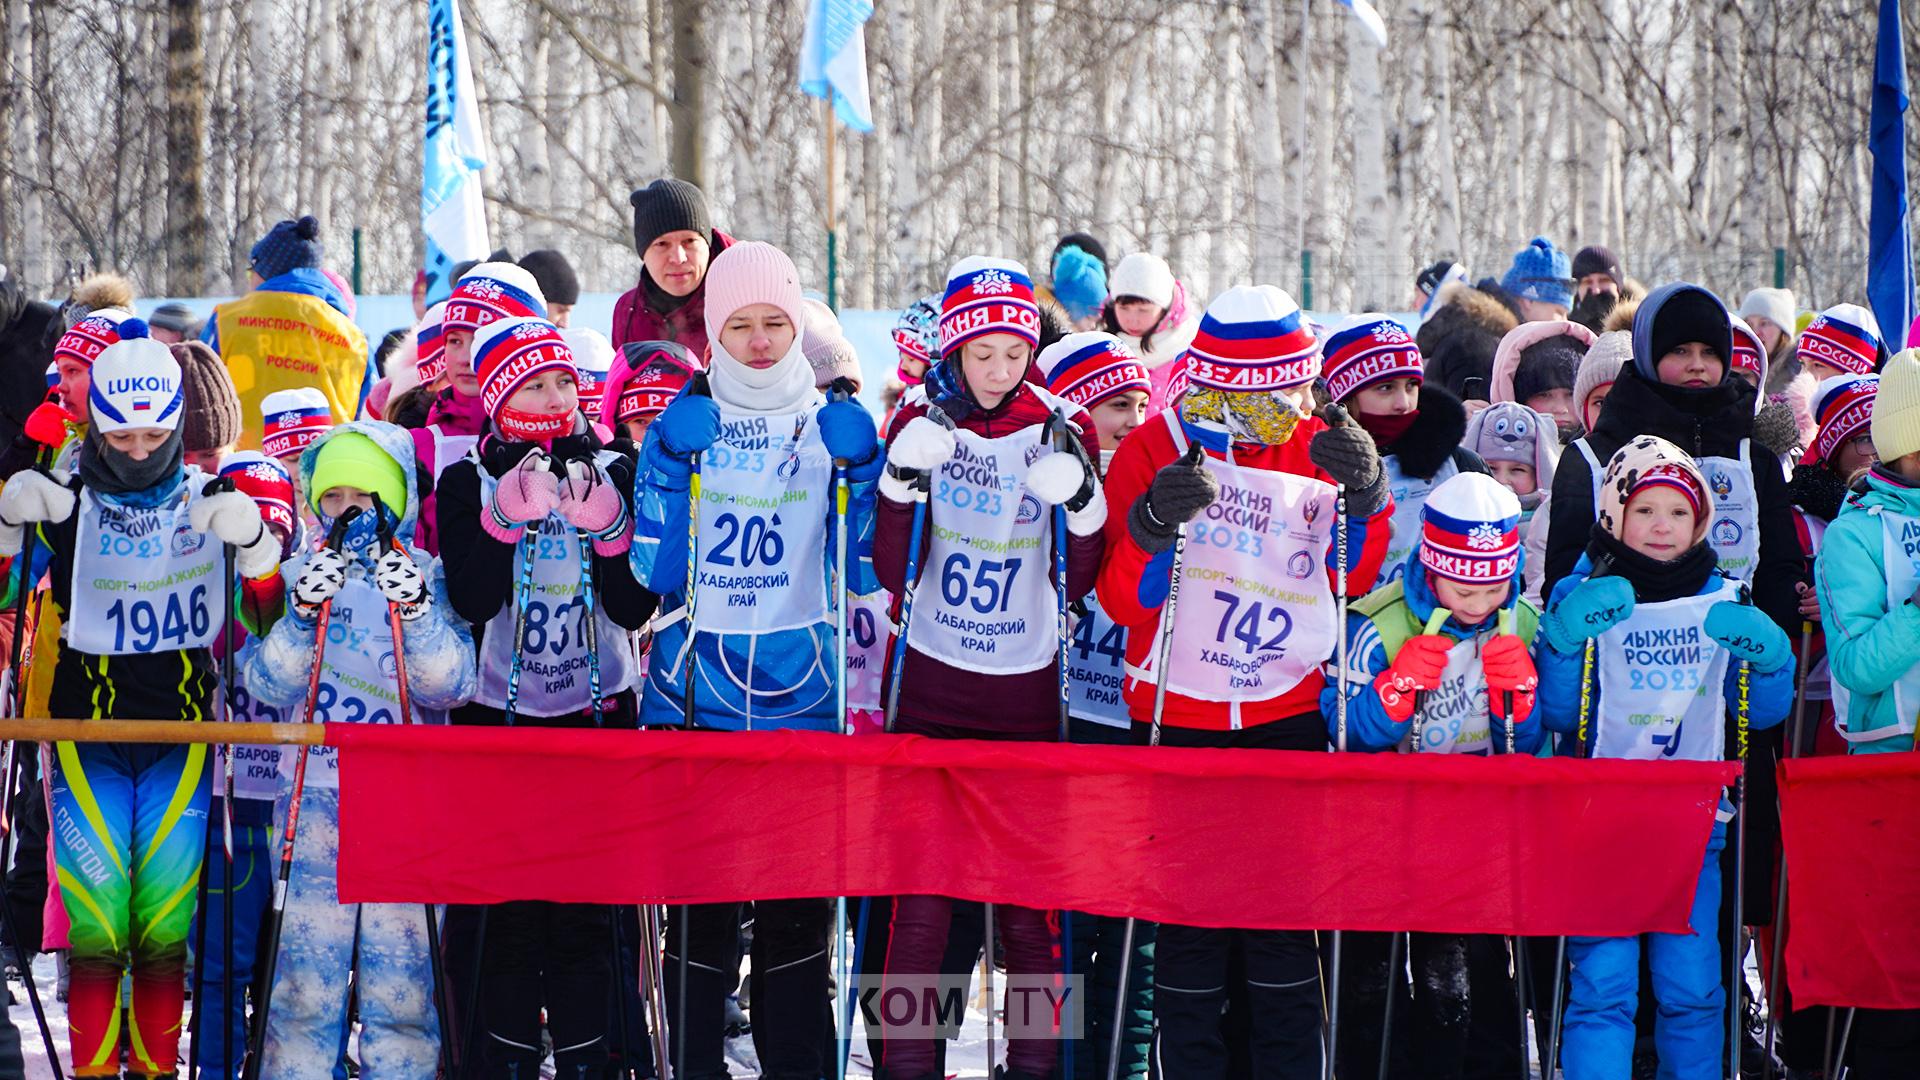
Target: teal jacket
(1870, 643)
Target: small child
(1445, 687)
(1147, 309)
(641, 384)
(382, 947)
(593, 357)
(917, 336)
(1538, 364)
(1096, 372)
(292, 420)
(1669, 645)
(1522, 449)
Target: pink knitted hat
(752, 273)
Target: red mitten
(1509, 669)
(1419, 666)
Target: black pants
(788, 987)
(1885, 1044)
(537, 956)
(1281, 967)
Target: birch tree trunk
(188, 230)
(1268, 185)
(689, 91)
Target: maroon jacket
(635, 320)
(946, 696)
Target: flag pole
(833, 209)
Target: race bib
(144, 581)
(869, 627)
(1453, 717)
(1661, 679)
(765, 495)
(1409, 498)
(1097, 669)
(984, 602)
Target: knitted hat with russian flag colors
(1749, 355)
(1843, 407)
(84, 341)
(293, 419)
(507, 354)
(1470, 530)
(1253, 338)
(490, 292)
(1844, 336)
(430, 345)
(268, 484)
(1368, 349)
(1088, 368)
(987, 295)
(136, 383)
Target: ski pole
(226, 822)
(651, 917)
(1735, 961)
(1518, 943)
(1064, 441)
(698, 387)
(1394, 939)
(689, 694)
(403, 687)
(896, 664)
(993, 1000)
(1340, 744)
(522, 597)
(256, 1052)
(1560, 942)
(1162, 659)
(842, 496)
(1840, 1055)
(1776, 997)
(17, 699)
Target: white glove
(1056, 478)
(321, 576)
(1090, 518)
(232, 518)
(922, 444)
(32, 496)
(402, 582)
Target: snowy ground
(966, 1056)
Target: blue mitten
(1591, 609)
(1749, 635)
(689, 425)
(849, 432)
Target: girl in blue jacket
(1653, 627)
(759, 644)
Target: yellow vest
(284, 341)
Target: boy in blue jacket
(1653, 627)
(1438, 657)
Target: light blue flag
(833, 58)
(453, 214)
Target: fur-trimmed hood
(1460, 337)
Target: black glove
(1775, 428)
(1345, 451)
(1180, 490)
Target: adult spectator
(1599, 285)
(558, 283)
(1459, 337)
(27, 331)
(172, 323)
(293, 330)
(676, 240)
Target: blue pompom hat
(1540, 272)
(289, 245)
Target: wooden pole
(163, 731)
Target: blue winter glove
(689, 425)
(1749, 635)
(849, 432)
(1591, 609)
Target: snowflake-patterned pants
(307, 1026)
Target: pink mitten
(528, 492)
(590, 501)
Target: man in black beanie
(1598, 285)
(676, 240)
(558, 283)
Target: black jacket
(1434, 438)
(28, 330)
(1704, 423)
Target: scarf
(785, 387)
(456, 414)
(1653, 581)
(109, 472)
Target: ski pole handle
(1434, 622)
(1506, 696)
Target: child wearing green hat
(368, 466)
